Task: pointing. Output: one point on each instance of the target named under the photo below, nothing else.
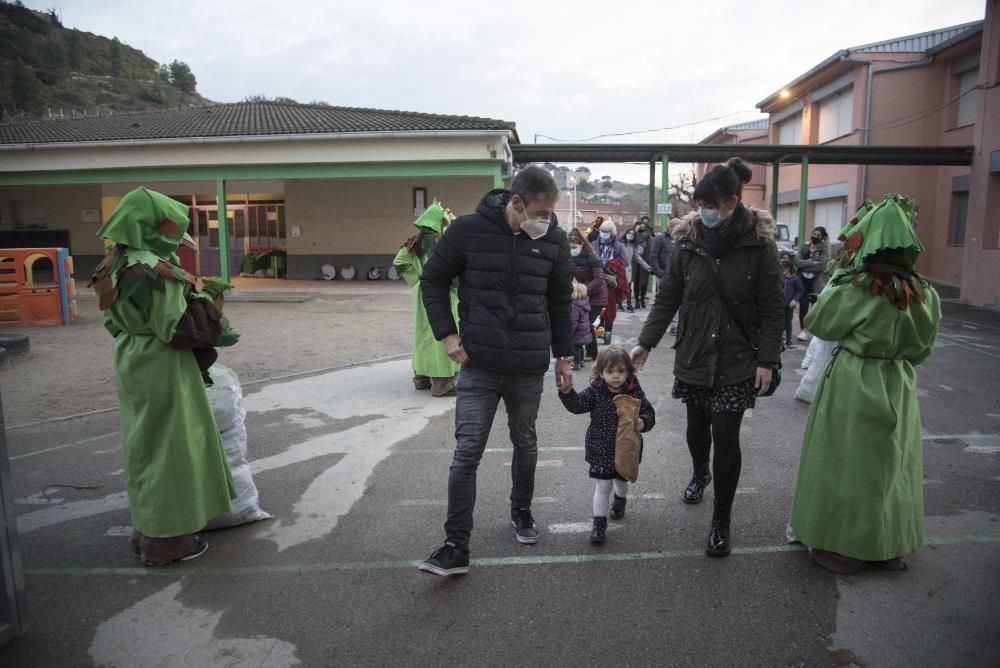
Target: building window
(29, 214)
(836, 115)
(830, 214)
(790, 130)
(959, 212)
(967, 102)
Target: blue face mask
(710, 218)
(575, 251)
(605, 236)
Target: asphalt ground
(352, 463)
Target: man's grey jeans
(479, 393)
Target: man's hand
(639, 356)
(453, 348)
(763, 380)
(564, 376)
(640, 424)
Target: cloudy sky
(566, 70)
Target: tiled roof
(917, 43)
(241, 119)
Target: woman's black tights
(704, 427)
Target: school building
(937, 88)
(313, 185)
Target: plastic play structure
(26, 300)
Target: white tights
(602, 495)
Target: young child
(613, 375)
(580, 317)
(795, 291)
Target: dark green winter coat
(711, 349)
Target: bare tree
(683, 188)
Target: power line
(640, 132)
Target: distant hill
(48, 69)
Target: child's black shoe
(600, 531)
(618, 507)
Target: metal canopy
(757, 153)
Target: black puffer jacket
(711, 349)
(514, 293)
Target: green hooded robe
(859, 491)
(429, 358)
(176, 471)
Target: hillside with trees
(49, 70)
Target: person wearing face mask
(640, 261)
(718, 371)
(811, 261)
(589, 270)
(514, 292)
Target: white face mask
(534, 227)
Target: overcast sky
(562, 69)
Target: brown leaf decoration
(106, 292)
(164, 269)
(854, 242)
(876, 287)
(168, 227)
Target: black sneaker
(524, 526)
(618, 507)
(445, 561)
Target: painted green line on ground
(482, 562)
(958, 437)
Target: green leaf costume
(429, 358)
(176, 472)
(859, 491)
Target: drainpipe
(867, 138)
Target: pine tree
(182, 77)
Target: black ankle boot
(599, 533)
(695, 490)
(718, 535)
(618, 507)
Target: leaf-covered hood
(434, 218)
(147, 220)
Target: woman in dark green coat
(724, 355)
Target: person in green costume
(176, 472)
(859, 493)
(432, 368)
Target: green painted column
(774, 189)
(664, 188)
(803, 197)
(220, 199)
(652, 189)
(498, 177)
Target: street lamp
(572, 206)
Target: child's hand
(639, 424)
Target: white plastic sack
(821, 354)
(226, 399)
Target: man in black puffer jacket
(514, 293)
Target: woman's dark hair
(822, 231)
(613, 357)
(533, 182)
(723, 182)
